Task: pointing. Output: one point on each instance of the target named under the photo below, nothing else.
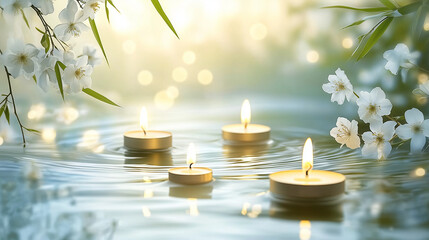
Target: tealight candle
(307, 185)
(190, 175)
(145, 139)
(246, 132)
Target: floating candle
(246, 132)
(190, 175)
(145, 139)
(307, 185)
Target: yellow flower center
(372, 108)
(95, 6)
(22, 58)
(79, 73)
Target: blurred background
(277, 51)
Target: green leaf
(161, 12)
(34, 78)
(107, 11)
(97, 37)
(61, 65)
(113, 5)
(375, 36)
(374, 9)
(59, 80)
(6, 113)
(45, 42)
(410, 8)
(388, 4)
(2, 109)
(40, 31)
(25, 18)
(354, 24)
(98, 96)
(32, 130)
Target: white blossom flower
(425, 87)
(32, 171)
(417, 128)
(72, 24)
(377, 141)
(19, 58)
(373, 105)
(90, 8)
(339, 86)
(346, 132)
(398, 57)
(45, 6)
(78, 75)
(45, 72)
(14, 7)
(91, 53)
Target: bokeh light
(179, 74)
(145, 77)
(36, 112)
(68, 115)
(49, 135)
(304, 230)
(205, 77)
(420, 172)
(312, 56)
(189, 57)
(258, 31)
(146, 211)
(163, 100)
(1, 140)
(347, 43)
(172, 92)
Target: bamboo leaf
(107, 11)
(354, 24)
(113, 5)
(59, 80)
(98, 96)
(161, 12)
(61, 65)
(97, 37)
(2, 109)
(40, 31)
(32, 130)
(6, 113)
(388, 4)
(25, 18)
(374, 9)
(375, 36)
(409, 8)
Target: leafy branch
(5, 108)
(386, 14)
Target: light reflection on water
(92, 188)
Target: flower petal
(369, 150)
(388, 130)
(384, 150)
(404, 131)
(417, 143)
(353, 142)
(425, 126)
(414, 116)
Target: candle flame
(245, 113)
(192, 155)
(143, 119)
(307, 155)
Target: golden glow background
(227, 48)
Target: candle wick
(308, 170)
(245, 125)
(144, 131)
(190, 166)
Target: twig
(13, 103)
(391, 118)
(47, 28)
